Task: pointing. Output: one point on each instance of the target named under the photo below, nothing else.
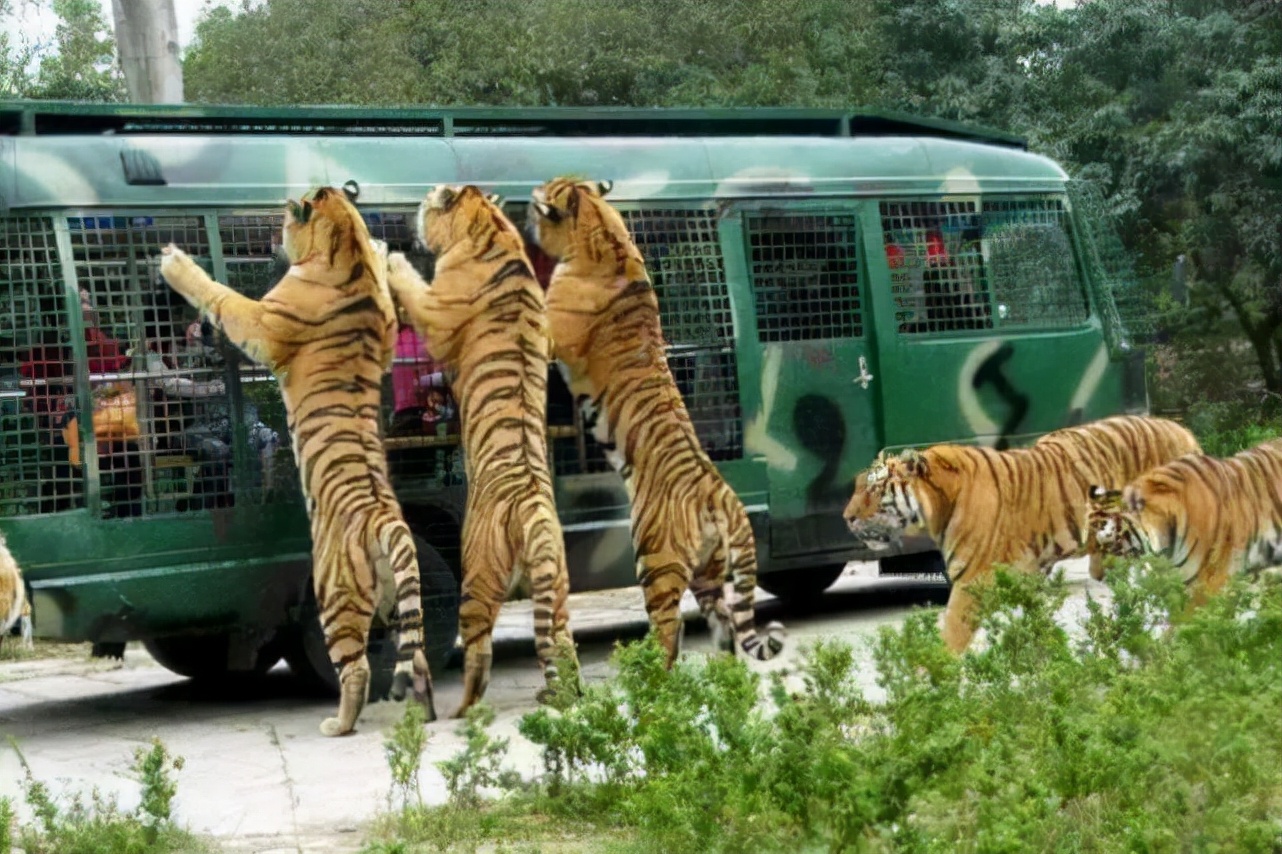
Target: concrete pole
(147, 39)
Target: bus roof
(65, 154)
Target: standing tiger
(1025, 508)
(14, 606)
(688, 526)
(327, 331)
(1212, 517)
(484, 318)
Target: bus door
(811, 383)
(986, 335)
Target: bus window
(1029, 260)
(36, 373)
(805, 280)
(936, 266)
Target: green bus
(832, 283)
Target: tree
(147, 32)
(82, 68)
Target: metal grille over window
(936, 266)
(37, 391)
(255, 262)
(1127, 310)
(804, 277)
(682, 251)
(1029, 260)
(162, 419)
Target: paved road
(258, 774)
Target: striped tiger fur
(484, 318)
(688, 526)
(1212, 517)
(327, 331)
(15, 608)
(1025, 507)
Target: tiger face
(446, 216)
(873, 528)
(557, 209)
(324, 223)
(1112, 523)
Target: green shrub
(97, 825)
(1155, 729)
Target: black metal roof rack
(69, 117)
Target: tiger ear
(547, 211)
(1097, 493)
(352, 190)
(914, 463)
(494, 199)
(603, 187)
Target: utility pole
(147, 39)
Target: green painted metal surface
(831, 282)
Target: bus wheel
(800, 586)
(204, 657)
(308, 658)
(918, 563)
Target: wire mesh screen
(682, 251)
(162, 417)
(1127, 311)
(936, 266)
(422, 425)
(36, 374)
(805, 279)
(1029, 261)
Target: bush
(98, 825)
(1155, 731)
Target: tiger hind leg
(741, 551)
(347, 636)
(24, 622)
(553, 639)
(487, 571)
(664, 578)
(394, 551)
(709, 591)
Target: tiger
(327, 331)
(1025, 507)
(688, 526)
(15, 607)
(1212, 517)
(484, 318)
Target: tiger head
(325, 225)
(873, 528)
(568, 217)
(448, 213)
(1114, 521)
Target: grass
(96, 824)
(1152, 733)
(11, 649)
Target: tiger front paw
(171, 260)
(400, 272)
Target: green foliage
(404, 751)
(1155, 731)
(98, 825)
(480, 764)
(81, 67)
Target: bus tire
(204, 657)
(306, 653)
(915, 563)
(800, 587)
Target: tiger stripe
(327, 331)
(689, 529)
(1212, 517)
(1026, 507)
(484, 317)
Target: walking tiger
(688, 526)
(327, 331)
(1212, 517)
(483, 316)
(1025, 507)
